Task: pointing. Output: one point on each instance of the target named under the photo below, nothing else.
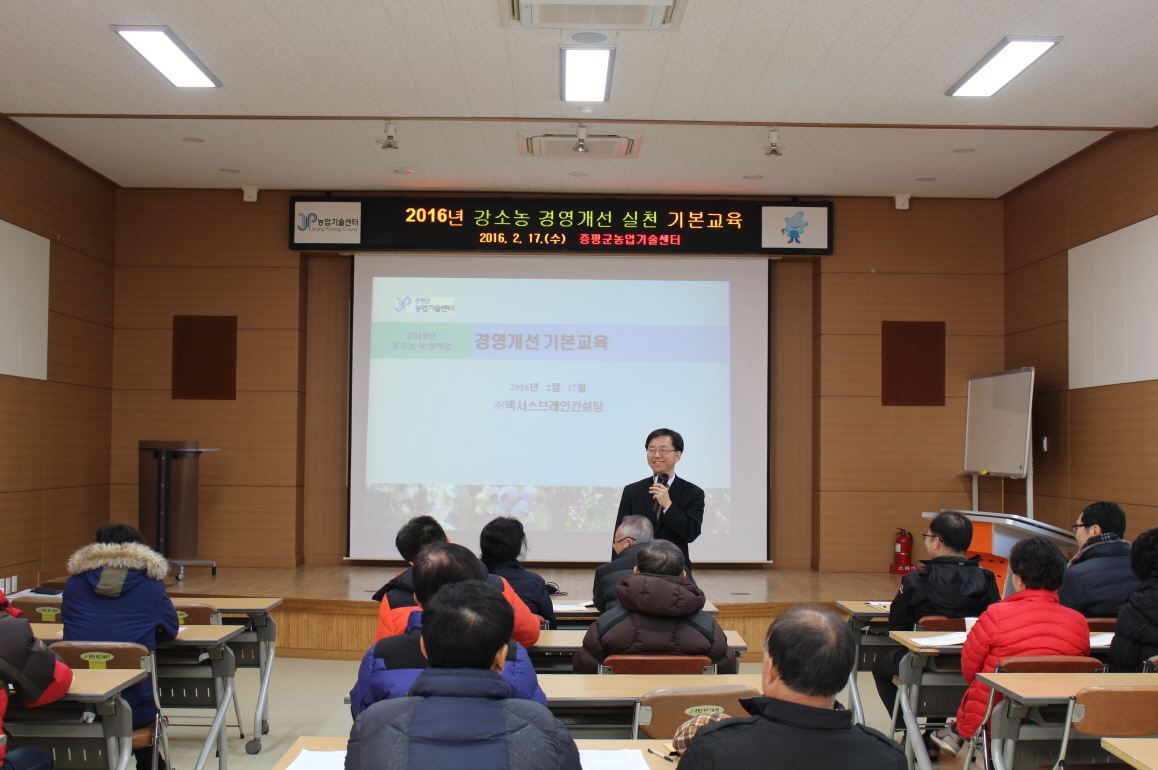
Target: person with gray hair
(660, 612)
(633, 533)
(808, 654)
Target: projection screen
(526, 386)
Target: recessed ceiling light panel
(753, 176)
(586, 74)
(172, 58)
(1005, 62)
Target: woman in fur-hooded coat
(116, 593)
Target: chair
(1032, 664)
(661, 712)
(1150, 665)
(121, 655)
(940, 623)
(657, 664)
(39, 609)
(1101, 625)
(1117, 712)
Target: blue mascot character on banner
(795, 228)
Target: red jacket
(392, 620)
(1031, 622)
(40, 677)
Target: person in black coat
(674, 508)
(502, 542)
(948, 584)
(1099, 578)
(1136, 632)
(632, 535)
(412, 537)
(809, 654)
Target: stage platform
(328, 612)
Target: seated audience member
(412, 536)
(660, 612)
(1136, 632)
(1030, 622)
(392, 664)
(502, 543)
(1099, 579)
(809, 654)
(947, 584)
(116, 593)
(459, 712)
(633, 534)
(36, 675)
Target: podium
(996, 533)
(168, 480)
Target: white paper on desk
(181, 628)
(569, 608)
(319, 760)
(882, 606)
(591, 759)
(1102, 640)
(955, 639)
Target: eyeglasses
(660, 452)
(928, 536)
(1076, 527)
(622, 539)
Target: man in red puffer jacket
(36, 675)
(1030, 622)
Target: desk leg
(857, 627)
(223, 685)
(266, 651)
(913, 728)
(121, 724)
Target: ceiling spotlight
(192, 139)
(577, 173)
(390, 143)
(753, 176)
(230, 170)
(925, 179)
(773, 147)
(965, 150)
(403, 171)
(581, 135)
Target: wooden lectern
(168, 500)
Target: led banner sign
(656, 226)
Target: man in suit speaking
(673, 505)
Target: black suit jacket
(607, 577)
(683, 520)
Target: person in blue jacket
(389, 668)
(116, 593)
(502, 543)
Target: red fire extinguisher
(902, 553)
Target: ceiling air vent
(563, 145)
(593, 14)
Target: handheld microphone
(655, 505)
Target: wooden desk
(860, 616)
(581, 619)
(912, 640)
(339, 744)
(619, 689)
(189, 636)
(1141, 753)
(94, 691)
(255, 648)
(1025, 693)
(553, 653)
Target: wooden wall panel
(851, 516)
(22, 439)
(257, 435)
(867, 446)
(21, 515)
(933, 236)
(79, 351)
(267, 359)
(77, 425)
(1035, 219)
(1047, 349)
(790, 439)
(857, 303)
(851, 363)
(79, 285)
(326, 402)
(51, 194)
(219, 229)
(1118, 184)
(248, 526)
(71, 518)
(261, 298)
(1051, 420)
(1112, 431)
(1038, 294)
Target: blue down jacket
(391, 666)
(117, 594)
(458, 718)
(1099, 581)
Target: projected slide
(532, 397)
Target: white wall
(1113, 307)
(23, 303)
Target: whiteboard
(997, 424)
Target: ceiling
(771, 62)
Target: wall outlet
(8, 585)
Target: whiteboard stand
(998, 430)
